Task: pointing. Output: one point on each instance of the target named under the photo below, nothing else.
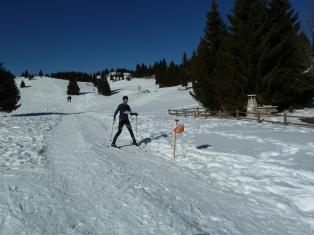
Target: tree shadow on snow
(85, 93)
(117, 91)
(148, 140)
(204, 146)
(43, 114)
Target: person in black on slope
(124, 110)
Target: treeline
(260, 50)
(167, 74)
(9, 93)
(78, 76)
(99, 80)
(30, 76)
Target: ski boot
(135, 143)
(113, 145)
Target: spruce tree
(204, 62)
(185, 68)
(73, 88)
(247, 27)
(305, 48)
(40, 74)
(26, 74)
(282, 65)
(9, 93)
(161, 73)
(103, 87)
(22, 84)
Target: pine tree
(103, 87)
(305, 49)
(40, 74)
(26, 74)
(73, 88)
(9, 93)
(248, 26)
(204, 62)
(282, 65)
(185, 70)
(22, 84)
(161, 73)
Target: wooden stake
(258, 116)
(174, 145)
(285, 117)
(238, 115)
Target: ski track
(66, 180)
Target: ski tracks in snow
(270, 175)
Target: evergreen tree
(185, 68)
(40, 74)
(103, 87)
(26, 74)
(205, 61)
(248, 27)
(282, 65)
(9, 93)
(161, 73)
(22, 84)
(305, 49)
(73, 88)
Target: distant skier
(69, 99)
(124, 110)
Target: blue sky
(91, 35)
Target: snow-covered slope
(58, 175)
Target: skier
(69, 99)
(124, 110)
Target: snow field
(59, 175)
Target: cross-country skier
(124, 110)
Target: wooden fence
(283, 119)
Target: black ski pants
(128, 125)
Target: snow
(58, 175)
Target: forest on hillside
(261, 50)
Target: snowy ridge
(231, 177)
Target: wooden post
(197, 112)
(238, 114)
(258, 116)
(174, 145)
(219, 114)
(285, 118)
(177, 113)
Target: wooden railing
(284, 119)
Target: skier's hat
(125, 98)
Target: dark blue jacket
(124, 110)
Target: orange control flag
(179, 129)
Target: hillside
(59, 175)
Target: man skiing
(124, 110)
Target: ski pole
(136, 126)
(112, 129)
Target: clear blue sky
(91, 35)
